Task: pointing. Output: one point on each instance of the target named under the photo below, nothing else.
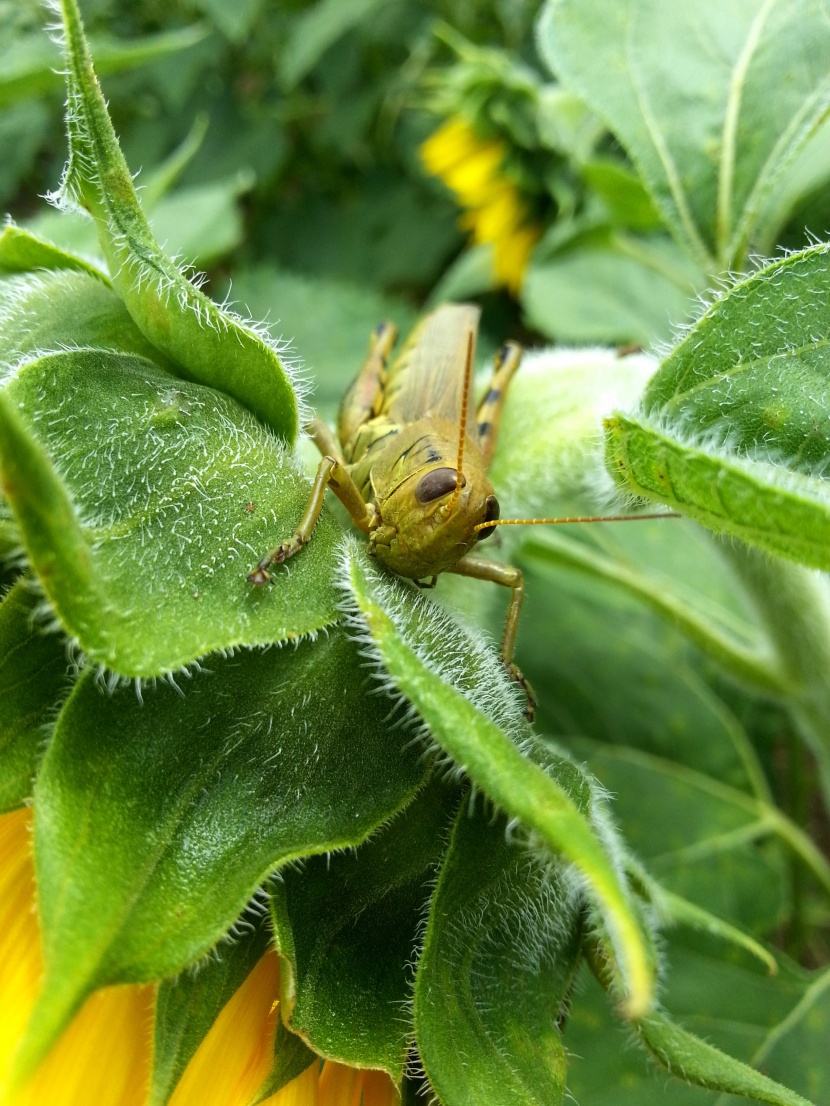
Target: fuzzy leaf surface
(501, 948)
(207, 343)
(779, 510)
(686, 89)
(21, 251)
(679, 1051)
(33, 676)
(753, 374)
(197, 798)
(461, 693)
(65, 308)
(347, 928)
(137, 492)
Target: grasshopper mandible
(410, 462)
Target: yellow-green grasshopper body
(411, 456)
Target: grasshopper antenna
(462, 427)
(578, 518)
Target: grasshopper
(410, 462)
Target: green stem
(793, 606)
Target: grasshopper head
(428, 522)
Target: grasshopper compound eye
(437, 483)
(491, 513)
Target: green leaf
(21, 252)
(33, 678)
(347, 928)
(30, 63)
(701, 837)
(795, 1050)
(61, 309)
(136, 492)
(207, 343)
(629, 290)
(624, 674)
(778, 510)
(198, 797)
(188, 1005)
(422, 652)
(753, 370)
(315, 30)
(500, 953)
(679, 911)
(687, 91)
(233, 20)
(695, 1061)
(203, 222)
(622, 193)
(663, 743)
(778, 1024)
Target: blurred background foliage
(299, 153)
(289, 139)
(285, 139)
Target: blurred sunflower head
(495, 211)
(105, 1057)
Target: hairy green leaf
(198, 797)
(64, 308)
(683, 1054)
(500, 952)
(766, 505)
(347, 929)
(452, 682)
(33, 677)
(207, 343)
(751, 376)
(687, 89)
(21, 251)
(138, 493)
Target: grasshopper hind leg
(488, 414)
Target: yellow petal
(474, 178)
(20, 958)
(452, 142)
(301, 1091)
(378, 1089)
(500, 217)
(104, 1056)
(340, 1085)
(511, 255)
(236, 1055)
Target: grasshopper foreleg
(480, 568)
(332, 473)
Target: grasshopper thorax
(426, 523)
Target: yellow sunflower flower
(495, 212)
(104, 1057)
